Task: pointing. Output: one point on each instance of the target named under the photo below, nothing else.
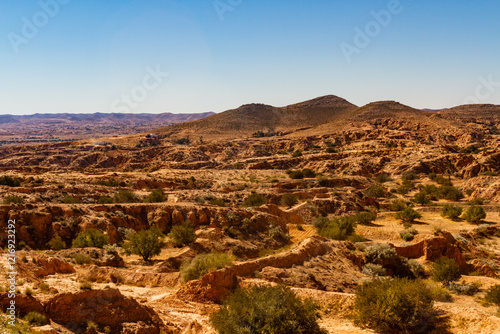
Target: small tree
(474, 214)
(145, 243)
(125, 196)
(266, 309)
(156, 196)
(421, 198)
(90, 238)
(452, 212)
(376, 191)
(203, 264)
(255, 199)
(365, 218)
(445, 270)
(56, 243)
(408, 215)
(289, 200)
(183, 235)
(493, 295)
(393, 305)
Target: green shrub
(125, 196)
(338, 228)
(408, 234)
(463, 288)
(320, 222)
(183, 235)
(105, 200)
(255, 199)
(277, 233)
(493, 294)
(82, 259)
(408, 215)
(71, 200)
(145, 243)
(266, 309)
(217, 202)
(56, 243)
(432, 176)
(296, 175)
(476, 201)
(440, 179)
(452, 212)
(450, 193)
(374, 270)
(365, 218)
(356, 238)
(445, 270)
(309, 173)
(399, 205)
(405, 187)
(10, 181)
(300, 227)
(36, 319)
(383, 178)
(416, 268)
(90, 238)
(13, 200)
(380, 253)
(156, 196)
(376, 191)
(203, 264)
(421, 198)
(409, 176)
(86, 285)
(297, 153)
(289, 200)
(108, 183)
(474, 214)
(394, 306)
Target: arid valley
(319, 196)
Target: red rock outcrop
(106, 308)
(51, 266)
(24, 304)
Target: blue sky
(188, 56)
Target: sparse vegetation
(289, 200)
(445, 270)
(36, 319)
(408, 215)
(265, 309)
(183, 235)
(13, 199)
(203, 264)
(493, 295)
(145, 243)
(452, 212)
(56, 243)
(376, 191)
(90, 238)
(156, 196)
(338, 228)
(10, 181)
(255, 199)
(394, 305)
(474, 214)
(125, 196)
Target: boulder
(24, 304)
(107, 308)
(51, 266)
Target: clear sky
(187, 56)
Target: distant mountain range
(323, 114)
(111, 118)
